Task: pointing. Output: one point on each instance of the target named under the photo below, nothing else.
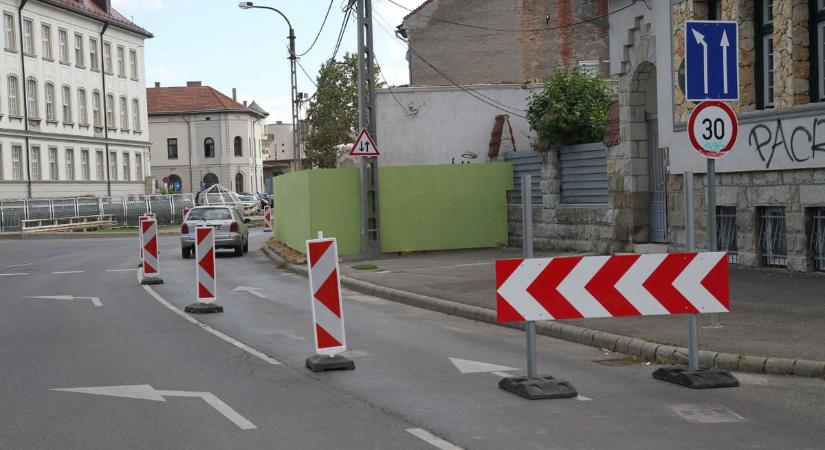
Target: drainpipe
(25, 99)
(105, 109)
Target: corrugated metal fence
(583, 171)
(125, 210)
(525, 162)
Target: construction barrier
(267, 219)
(151, 266)
(327, 311)
(206, 287)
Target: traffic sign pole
(693, 331)
(712, 230)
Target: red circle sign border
(729, 111)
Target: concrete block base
(203, 308)
(323, 363)
(151, 281)
(703, 378)
(538, 388)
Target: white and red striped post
(140, 238)
(185, 213)
(327, 310)
(267, 219)
(206, 286)
(149, 237)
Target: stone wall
(790, 35)
(795, 190)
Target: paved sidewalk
(774, 313)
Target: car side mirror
(247, 220)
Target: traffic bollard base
(151, 281)
(267, 231)
(703, 378)
(203, 308)
(322, 363)
(538, 388)
(140, 264)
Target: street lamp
(296, 157)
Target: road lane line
(209, 329)
(432, 439)
(12, 274)
(66, 272)
(19, 265)
(121, 270)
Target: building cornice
(14, 133)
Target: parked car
(266, 200)
(250, 203)
(230, 229)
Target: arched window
(209, 148)
(14, 94)
(124, 114)
(209, 179)
(49, 93)
(239, 182)
(238, 146)
(175, 183)
(110, 110)
(31, 91)
(98, 119)
(82, 107)
(66, 97)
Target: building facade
(72, 101)
(202, 137)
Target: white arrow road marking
(251, 290)
(700, 39)
(689, 282)
(724, 43)
(468, 366)
(432, 439)
(95, 300)
(514, 289)
(147, 392)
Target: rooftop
(193, 97)
(96, 10)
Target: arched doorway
(209, 180)
(175, 183)
(239, 187)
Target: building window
(818, 237)
(70, 164)
(84, 165)
(66, 94)
(31, 91)
(139, 167)
(133, 63)
(135, 115)
(53, 174)
(110, 111)
(28, 37)
(127, 172)
(63, 43)
(14, 108)
(209, 148)
(764, 54)
(121, 61)
(772, 239)
(172, 148)
(79, 54)
(82, 106)
(113, 166)
(99, 165)
(107, 57)
(726, 232)
(16, 162)
(124, 114)
(34, 162)
(49, 92)
(93, 61)
(96, 109)
(714, 9)
(238, 146)
(46, 38)
(8, 31)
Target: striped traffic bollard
(267, 219)
(149, 236)
(140, 239)
(206, 287)
(327, 312)
(185, 213)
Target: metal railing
(124, 210)
(772, 236)
(726, 232)
(818, 238)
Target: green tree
(572, 108)
(333, 111)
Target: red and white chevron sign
(149, 238)
(327, 314)
(205, 271)
(611, 286)
(267, 218)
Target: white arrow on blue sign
(711, 60)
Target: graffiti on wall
(774, 142)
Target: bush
(572, 108)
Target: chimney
(244, 103)
(234, 94)
(157, 83)
(193, 84)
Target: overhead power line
(307, 74)
(343, 29)
(324, 22)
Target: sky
(223, 46)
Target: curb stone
(595, 338)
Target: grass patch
(365, 266)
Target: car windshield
(209, 214)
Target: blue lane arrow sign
(711, 71)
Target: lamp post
(296, 156)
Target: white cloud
(161, 74)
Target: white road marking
(355, 353)
(251, 290)
(95, 300)
(503, 374)
(209, 329)
(19, 265)
(292, 335)
(469, 366)
(13, 274)
(432, 439)
(66, 272)
(121, 270)
(582, 398)
(147, 392)
(705, 413)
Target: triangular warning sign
(364, 145)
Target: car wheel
(246, 246)
(185, 252)
(239, 250)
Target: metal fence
(125, 210)
(772, 237)
(726, 232)
(818, 238)
(525, 163)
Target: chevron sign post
(327, 311)
(206, 286)
(267, 219)
(611, 286)
(149, 238)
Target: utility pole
(296, 150)
(370, 219)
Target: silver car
(230, 229)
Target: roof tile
(181, 99)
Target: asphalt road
(405, 392)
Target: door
(658, 192)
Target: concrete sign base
(322, 363)
(538, 388)
(203, 308)
(703, 378)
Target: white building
(202, 137)
(67, 127)
(279, 141)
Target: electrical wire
(515, 30)
(347, 14)
(307, 74)
(324, 22)
(407, 111)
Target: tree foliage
(572, 108)
(333, 111)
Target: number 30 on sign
(712, 129)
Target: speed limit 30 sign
(713, 128)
